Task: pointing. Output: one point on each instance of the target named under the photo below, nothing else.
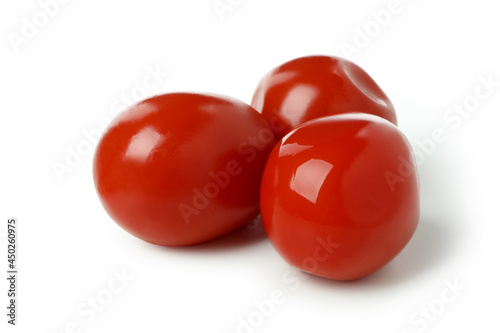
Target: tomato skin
(316, 86)
(329, 202)
(181, 168)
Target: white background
(70, 75)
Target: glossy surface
(340, 195)
(181, 169)
(317, 86)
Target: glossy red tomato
(340, 195)
(181, 169)
(317, 86)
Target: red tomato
(340, 195)
(181, 169)
(317, 86)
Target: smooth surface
(182, 168)
(67, 79)
(316, 86)
(339, 195)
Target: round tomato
(340, 195)
(181, 169)
(317, 86)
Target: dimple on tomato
(182, 168)
(340, 195)
(317, 86)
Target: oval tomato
(181, 169)
(317, 86)
(340, 195)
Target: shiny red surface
(181, 169)
(317, 86)
(340, 195)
